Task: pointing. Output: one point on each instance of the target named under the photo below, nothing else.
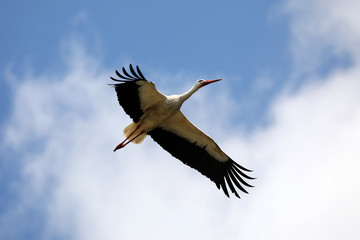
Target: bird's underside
(177, 134)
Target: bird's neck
(183, 97)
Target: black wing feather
(235, 178)
(133, 72)
(139, 72)
(126, 73)
(127, 92)
(117, 80)
(121, 76)
(231, 186)
(198, 158)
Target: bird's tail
(133, 132)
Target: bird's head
(201, 82)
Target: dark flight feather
(128, 93)
(198, 158)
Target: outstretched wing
(135, 93)
(196, 149)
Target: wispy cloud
(323, 32)
(308, 161)
(73, 120)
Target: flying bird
(160, 117)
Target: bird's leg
(121, 145)
(124, 143)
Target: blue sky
(245, 39)
(288, 107)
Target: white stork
(160, 117)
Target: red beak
(211, 81)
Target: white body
(160, 110)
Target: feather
(133, 72)
(141, 75)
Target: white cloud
(306, 160)
(322, 29)
(310, 156)
(133, 193)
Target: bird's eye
(200, 81)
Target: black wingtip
(134, 76)
(224, 188)
(140, 73)
(236, 182)
(241, 167)
(126, 73)
(133, 72)
(231, 186)
(235, 171)
(116, 80)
